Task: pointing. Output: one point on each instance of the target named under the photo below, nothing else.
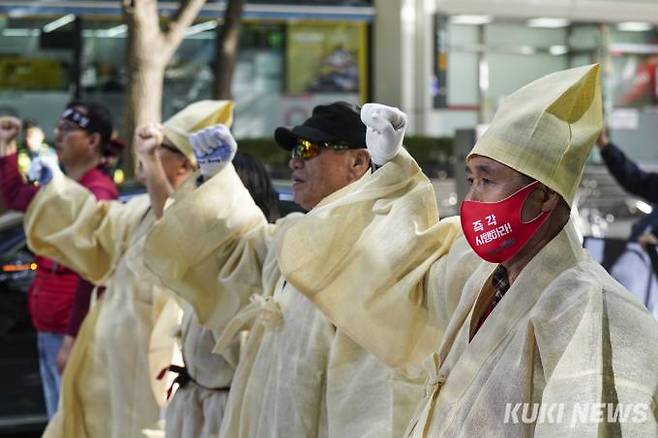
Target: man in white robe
(298, 376)
(110, 386)
(542, 342)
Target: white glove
(385, 131)
(214, 148)
(43, 169)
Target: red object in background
(644, 84)
(52, 293)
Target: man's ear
(186, 166)
(95, 141)
(541, 200)
(551, 200)
(360, 162)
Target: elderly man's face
(320, 176)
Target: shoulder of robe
(139, 202)
(462, 255)
(458, 265)
(276, 231)
(287, 220)
(580, 285)
(135, 209)
(585, 305)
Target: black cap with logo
(338, 122)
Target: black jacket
(635, 181)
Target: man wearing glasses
(110, 386)
(336, 137)
(58, 298)
(298, 376)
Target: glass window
(283, 70)
(515, 55)
(309, 2)
(35, 81)
(104, 76)
(257, 79)
(463, 65)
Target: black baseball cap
(338, 122)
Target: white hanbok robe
(109, 387)
(298, 375)
(197, 409)
(565, 332)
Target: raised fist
(147, 138)
(385, 131)
(214, 148)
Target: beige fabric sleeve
(66, 223)
(362, 256)
(447, 277)
(210, 247)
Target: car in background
(22, 408)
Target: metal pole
(77, 57)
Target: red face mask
(495, 230)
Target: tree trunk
(149, 50)
(146, 94)
(227, 49)
(144, 103)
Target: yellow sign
(29, 74)
(327, 57)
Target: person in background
(84, 291)
(254, 176)
(32, 146)
(636, 267)
(298, 375)
(109, 385)
(81, 138)
(626, 172)
(197, 408)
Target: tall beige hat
(546, 129)
(194, 117)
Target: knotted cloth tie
(262, 310)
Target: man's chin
(300, 199)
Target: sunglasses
(64, 127)
(305, 149)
